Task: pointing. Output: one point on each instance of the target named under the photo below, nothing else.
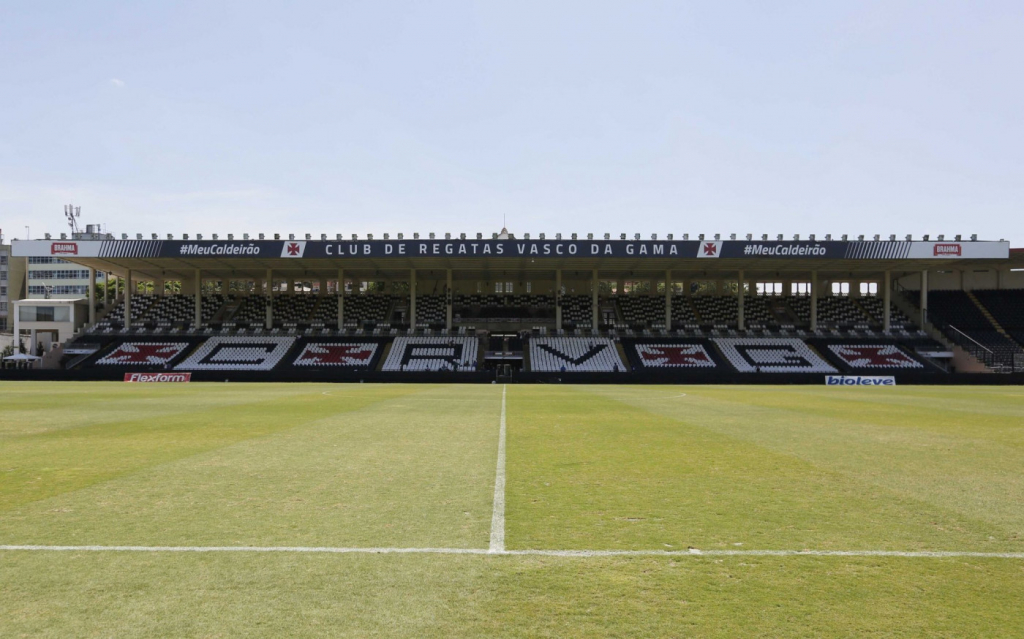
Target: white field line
(498, 512)
(516, 553)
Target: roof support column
(449, 296)
(740, 323)
(814, 300)
(886, 297)
(197, 319)
(106, 283)
(341, 298)
(595, 324)
(668, 300)
(412, 299)
(924, 297)
(269, 319)
(92, 295)
(558, 299)
(158, 286)
(128, 298)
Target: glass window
(840, 288)
(769, 288)
(800, 288)
(869, 288)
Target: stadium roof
(242, 259)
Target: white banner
(959, 250)
(859, 380)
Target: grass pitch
(587, 468)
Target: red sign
(157, 377)
(948, 250)
(64, 248)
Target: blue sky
(330, 117)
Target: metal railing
(979, 350)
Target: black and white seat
(575, 354)
(256, 353)
(771, 355)
(423, 353)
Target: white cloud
(117, 83)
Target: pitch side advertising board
(859, 380)
(540, 249)
(157, 378)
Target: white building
(55, 278)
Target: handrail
(988, 350)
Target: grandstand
(645, 309)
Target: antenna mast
(71, 214)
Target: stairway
(51, 358)
(868, 318)
(988, 315)
(384, 356)
(227, 311)
(622, 355)
(963, 359)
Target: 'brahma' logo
(947, 250)
(64, 248)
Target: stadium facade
(623, 308)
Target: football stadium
(511, 319)
(518, 436)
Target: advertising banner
(859, 380)
(154, 378)
(540, 249)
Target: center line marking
(498, 514)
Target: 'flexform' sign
(152, 378)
